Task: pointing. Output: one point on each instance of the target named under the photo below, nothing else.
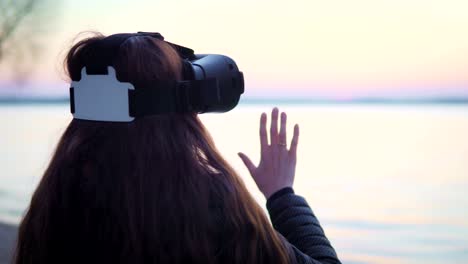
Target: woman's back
(154, 190)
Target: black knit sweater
(292, 217)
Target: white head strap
(101, 97)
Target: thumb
(248, 163)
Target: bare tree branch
(22, 22)
(14, 13)
(14, 19)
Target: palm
(277, 164)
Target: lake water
(389, 183)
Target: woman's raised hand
(277, 164)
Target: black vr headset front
(211, 83)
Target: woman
(156, 190)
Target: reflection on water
(387, 182)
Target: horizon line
(249, 100)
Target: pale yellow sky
(340, 48)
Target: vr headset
(211, 83)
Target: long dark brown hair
(155, 190)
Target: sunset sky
(338, 49)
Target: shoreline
(8, 234)
(463, 101)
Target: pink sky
(339, 49)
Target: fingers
(248, 163)
(282, 133)
(263, 133)
(274, 127)
(294, 141)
